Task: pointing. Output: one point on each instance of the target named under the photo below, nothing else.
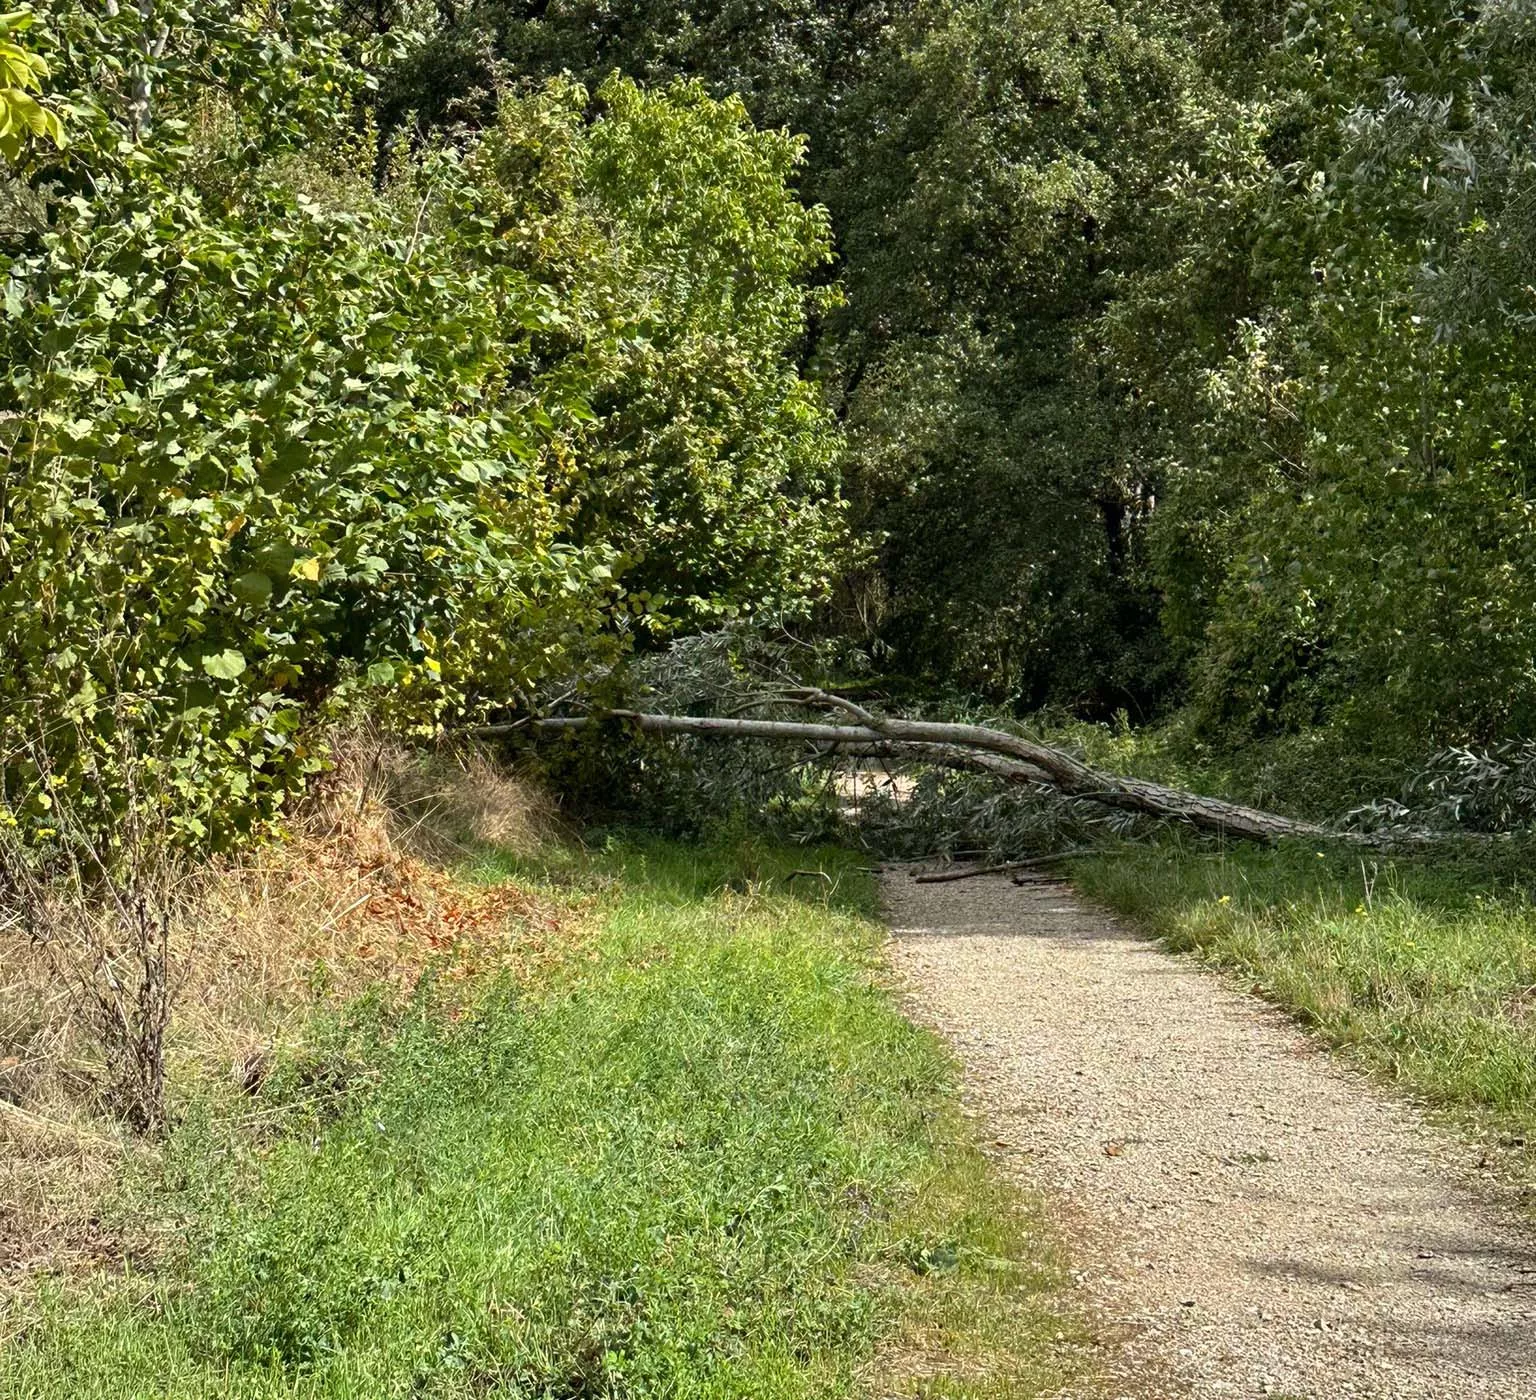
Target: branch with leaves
(1011, 757)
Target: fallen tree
(973, 747)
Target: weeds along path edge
(704, 1155)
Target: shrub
(284, 443)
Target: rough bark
(972, 746)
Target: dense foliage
(406, 356)
(1184, 350)
(1379, 572)
(300, 421)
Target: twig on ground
(944, 877)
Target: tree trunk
(971, 746)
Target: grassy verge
(693, 1152)
(1424, 970)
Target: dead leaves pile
(386, 917)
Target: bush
(285, 443)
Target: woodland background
(1147, 360)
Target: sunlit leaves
(226, 665)
(285, 443)
(22, 73)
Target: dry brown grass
(359, 892)
(362, 892)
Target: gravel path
(1248, 1217)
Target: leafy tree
(1354, 488)
(967, 157)
(709, 465)
(282, 441)
(992, 200)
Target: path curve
(1248, 1216)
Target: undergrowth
(699, 1155)
(360, 894)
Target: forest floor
(1250, 1214)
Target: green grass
(1424, 969)
(703, 1156)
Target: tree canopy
(400, 358)
(1181, 352)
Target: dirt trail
(1248, 1217)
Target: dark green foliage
(987, 191)
(287, 437)
(1184, 347)
(1348, 537)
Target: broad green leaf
(224, 665)
(254, 588)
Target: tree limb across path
(973, 747)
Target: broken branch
(946, 877)
(1007, 756)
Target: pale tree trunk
(969, 746)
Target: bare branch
(946, 877)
